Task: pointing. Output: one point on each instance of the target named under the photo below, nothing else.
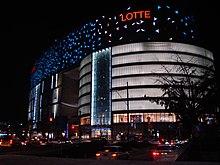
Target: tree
(190, 95)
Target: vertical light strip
(56, 81)
(92, 92)
(42, 87)
(54, 110)
(51, 86)
(101, 85)
(36, 104)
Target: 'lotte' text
(135, 15)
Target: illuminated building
(104, 71)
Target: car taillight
(155, 153)
(114, 155)
(11, 142)
(97, 154)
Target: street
(85, 154)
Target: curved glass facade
(144, 66)
(131, 72)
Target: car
(43, 142)
(75, 141)
(112, 152)
(162, 150)
(10, 141)
(64, 140)
(24, 140)
(154, 141)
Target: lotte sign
(135, 15)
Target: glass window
(144, 117)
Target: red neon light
(135, 15)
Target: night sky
(27, 30)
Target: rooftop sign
(135, 15)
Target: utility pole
(79, 126)
(128, 113)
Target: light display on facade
(138, 23)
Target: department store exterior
(98, 80)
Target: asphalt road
(200, 152)
(40, 160)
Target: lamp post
(128, 112)
(79, 129)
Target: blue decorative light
(104, 31)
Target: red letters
(135, 15)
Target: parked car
(113, 152)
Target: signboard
(135, 15)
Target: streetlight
(128, 112)
(79, 128)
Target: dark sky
(29, 29)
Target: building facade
(98, 80)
